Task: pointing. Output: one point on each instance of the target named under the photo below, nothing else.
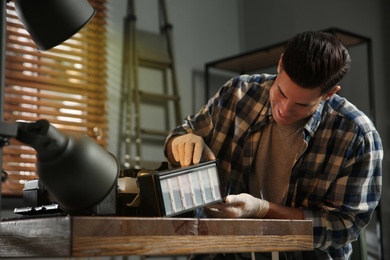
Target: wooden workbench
(77, 236)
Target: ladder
(144, 49)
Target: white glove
(239, 206)
(190, 148)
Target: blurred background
(201, 32)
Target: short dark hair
(316, 59)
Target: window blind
(65, 85)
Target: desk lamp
(77, 172)
(69, 166)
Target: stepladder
(150, 98)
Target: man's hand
(239, 206)
(190, 148)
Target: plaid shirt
(337, 176)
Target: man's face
(290, 102)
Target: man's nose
(286, 108)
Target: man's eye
(281, 93)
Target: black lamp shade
(76, 171)
(51, 22)
(81, 177)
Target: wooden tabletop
(76, 236)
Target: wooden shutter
(66, 85)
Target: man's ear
(331, 92)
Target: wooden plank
(118, 236)
(132, 236)
(170, 236)
(185, 245)
(254, 227)
(48, 237)
(258, 235)
(133, 226)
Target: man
(289, 147)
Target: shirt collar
(314, 121)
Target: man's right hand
(190, 149)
